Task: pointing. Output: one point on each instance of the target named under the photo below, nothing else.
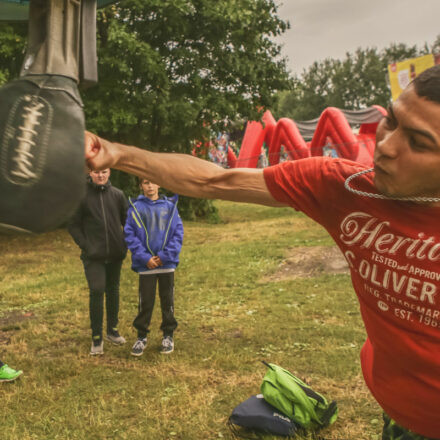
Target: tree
(12, 47)
(358, 81)
(173, 70)
(436, 45)
(169, 69)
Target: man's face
(100, 177)
(407, 155)
(150, 189)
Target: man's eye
(416, 146)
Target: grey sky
(330, 28)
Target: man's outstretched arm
(181, 173)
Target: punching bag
(42, 123)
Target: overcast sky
(330, 28)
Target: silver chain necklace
(381, 196)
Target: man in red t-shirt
(384, 220)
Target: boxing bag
(42, 123)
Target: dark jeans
(103, 278)
(147, 296)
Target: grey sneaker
(139, 347)
(97, 347)
(115, 338)
(167, 345)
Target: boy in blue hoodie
(154, 235)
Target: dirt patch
(308, 262)
(11, 320)
(4, 339)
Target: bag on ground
(256, 414)
(295, 399)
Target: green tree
(180, 66)
(436, 45)
(357, 81)
(172, 70)
(12, 47)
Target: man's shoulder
(310, 179)
(332, 162)
(319, 167)
(345, 167)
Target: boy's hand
(152, 264)
(158, 260)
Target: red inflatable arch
(311, 138)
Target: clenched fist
(99, 153)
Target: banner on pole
(403, 72)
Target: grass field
(232, 312)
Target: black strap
(328, 413)
(268, 365)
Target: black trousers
(147, 296)
(103, 279)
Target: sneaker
(139, 347)
(97, 347)
(167, 345)
(115, 338)
(8, 374)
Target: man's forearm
(191, 176)
(184, 174)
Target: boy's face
(100, 177)
(150, 189)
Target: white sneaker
(139, 347)
(167, 345)
(97, 347)
(115, 338)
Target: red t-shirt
(393, 250)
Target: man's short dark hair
(427, 84)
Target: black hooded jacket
(97, 225)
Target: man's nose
(390, 144)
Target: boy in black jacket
(96, 228)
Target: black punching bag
(42, 124)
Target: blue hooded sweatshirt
(154, 227)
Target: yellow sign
(402, 73)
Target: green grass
(229, 320)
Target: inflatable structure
(330, 134)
